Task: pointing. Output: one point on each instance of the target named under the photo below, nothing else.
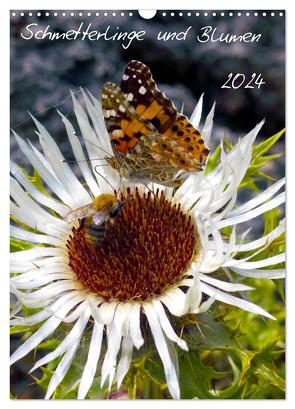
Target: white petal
(62, 369)
(35, 193)
(45, 313)
(115, 332)
(36, 272)
(134, 326)
(161, 345)
(32, 319)
(46, 329)
(40, 165)
(25, 235)
(271, 274)
(35, 222)
(61, 169)
(45, 292)
(125, 359)
(251, 214)
(80, 157)
(207, 129)
(95, 112)
(244, 145)
(93, 147)
(197, 113)
(20, 266)
(25, 201)
(166, 326)
(30, 254)
(258, 199)
(73, 336)
(193, 294)
(223, 285)
(204, 306)
(107, 311)
(39, 282)
(110, 360)
(73, 315)
(230, 299)
(174, 301)
(270, 261)
(262, 241)
(92, 359)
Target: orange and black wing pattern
(138, 109)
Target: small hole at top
(147, 14)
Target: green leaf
(259, 160)
(213, 160)
(270, 375)
(203, 331)
(19, 245)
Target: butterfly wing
(138, 112)
(181, 142)
(124, 125)
(146, 98)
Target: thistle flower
(159, 260)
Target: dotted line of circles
(214, 14)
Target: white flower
(57, 275)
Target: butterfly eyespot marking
(174, 128)
(180, 133)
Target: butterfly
(151, 141)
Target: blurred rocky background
(43, 72)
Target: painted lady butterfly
(151, 141)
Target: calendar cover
(147, 204)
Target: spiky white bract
(42, 279)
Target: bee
(97, 216)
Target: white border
(4, 169)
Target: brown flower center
(143, 252)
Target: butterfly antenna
(104, 178)
(81, 160)
(98, 147)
